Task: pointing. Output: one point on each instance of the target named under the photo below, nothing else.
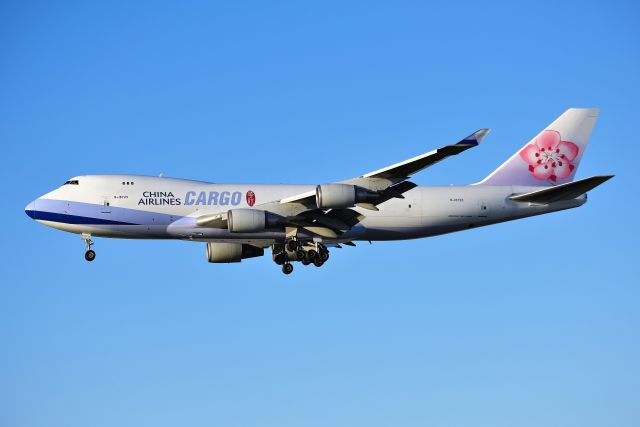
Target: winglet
(476, 137)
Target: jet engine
(231, 252)
(337, 196)
(250, 220)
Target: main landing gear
(294, 250)
(89, 254)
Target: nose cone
(30, 210)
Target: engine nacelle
(231, 252)
(250, 220)
(336, 196)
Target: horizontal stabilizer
(567, 191)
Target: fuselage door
(483, 208)
(106, 205)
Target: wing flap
(217, 220)
(308, 197)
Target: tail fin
(553, 156)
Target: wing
(301, 211)
(382, 179)
(398, 172)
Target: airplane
(302, 222)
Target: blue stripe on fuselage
(72, 219)
(89, 213)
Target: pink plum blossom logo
(549, 157)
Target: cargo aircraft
(303, 222)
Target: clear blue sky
(530, 323)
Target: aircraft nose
(30, 210)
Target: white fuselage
(140, 207)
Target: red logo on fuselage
(251, 198)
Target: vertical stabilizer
(553, 156)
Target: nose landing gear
(89, 254)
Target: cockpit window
(71, 182)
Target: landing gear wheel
(312, 254)
(280, 259)
(89, 255)
(318, 262)
(292, 245)
(305, 262)
(287, 268)
(324, 255)
(300, 254)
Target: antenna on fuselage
(161, 173)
